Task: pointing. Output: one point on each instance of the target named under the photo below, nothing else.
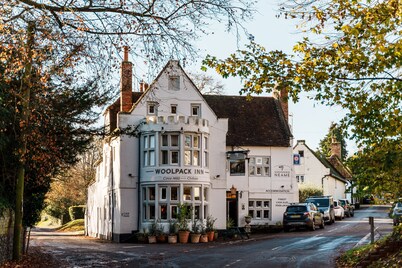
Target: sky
(310, 120)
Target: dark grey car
(302, 215)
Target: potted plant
(161, 237)
(172, 237)
(183, 216)
(210, 229)
(195, 233)
(152, 233)
(204, 236)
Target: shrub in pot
(152, 233)
(210, 228)
(172, 237)
(195, 233)
(183, 216)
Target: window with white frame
(170, 150)
(152, 108)
(259, 209)
(206, 154)
(168, 201)
(149, 150)
(148, 202)
(192, 144)
(174, 83)
(193, 195)
(260, 166)
(300, 178)
(196, 110)
(173, 109)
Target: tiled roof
(256, 122)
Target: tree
(325, 144)
(356, 66)
(378, 169)
(77, 179)
(95, 29)
(48, 118)
(206, 84)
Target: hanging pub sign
(296, 159)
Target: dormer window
(196, 110)
(173, 109)
(151, 110)
(174, 83)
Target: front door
(231, 209)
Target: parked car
(325, 204)
(397, 213)
(348, 207)
(302, 215)
(339, 211)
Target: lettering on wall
(186, 171)
(282, 202)
(125, 214)
(282, 171)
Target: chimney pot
(126, 49)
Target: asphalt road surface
(295, 249)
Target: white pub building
(226, 156)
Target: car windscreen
(320, 202)
(343, 202)
(296, 209)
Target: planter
(183, 236)
(152, 239)
(203, 238)
(247, 219)
(211, 236)
(172, 239)
(195, 238)
(215, 235)
(161, 238)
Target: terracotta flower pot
(183, 236)
(204, 238)
(172, 239)
(195, 238)
(152, 239)
(211, 236)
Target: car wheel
(340, 218)
(353, 214)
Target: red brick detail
(126, 86)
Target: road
(295, 249)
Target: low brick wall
(6, 235)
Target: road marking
(134, 247)
(277, 248)
(346, 225)
(227, 265)
(332, 230)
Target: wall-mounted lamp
(181, 130)
(241, 194)
(217, 177)
(283, 186)
(130, 175)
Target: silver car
(397, 213)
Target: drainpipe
(112, 184)
(139, 184)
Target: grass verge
(73, 226)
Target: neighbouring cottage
(224, 156)
(326, 173)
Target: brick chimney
(282, 96)
(126, 86)
(336, 148)
(143, 86)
